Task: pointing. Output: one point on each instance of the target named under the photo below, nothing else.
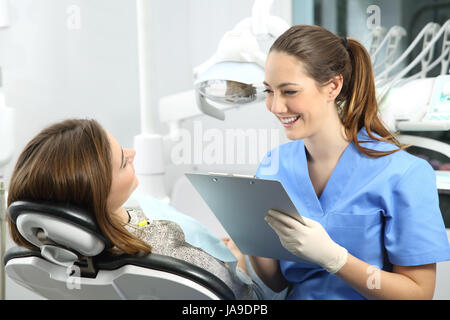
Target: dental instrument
(376, 38)
(426, 33)
(432, 35)
(392, 43)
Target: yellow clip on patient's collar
(142, 223)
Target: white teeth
(289, 120)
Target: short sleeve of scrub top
(414, 229)
(384, 211)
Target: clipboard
(240, 203)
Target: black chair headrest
(63, 224)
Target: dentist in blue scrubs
(373, 228)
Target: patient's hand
(229, 243)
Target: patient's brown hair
(70, 162)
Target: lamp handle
(208, 109)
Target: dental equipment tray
(240, 203)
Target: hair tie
(345, 42)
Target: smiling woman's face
(124, 180)
(294, 97)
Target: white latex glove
(310, 242)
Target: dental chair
(73, 261)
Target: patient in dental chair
(76, 161)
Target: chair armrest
(108, 261)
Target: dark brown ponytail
(324, 56)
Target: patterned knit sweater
(167, 238)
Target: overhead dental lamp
(234, 75)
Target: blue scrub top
(384, 211)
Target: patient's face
(124, 180)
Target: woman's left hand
(310, 241)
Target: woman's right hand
(229, 243)
(269, 271)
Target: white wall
(51, 72)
